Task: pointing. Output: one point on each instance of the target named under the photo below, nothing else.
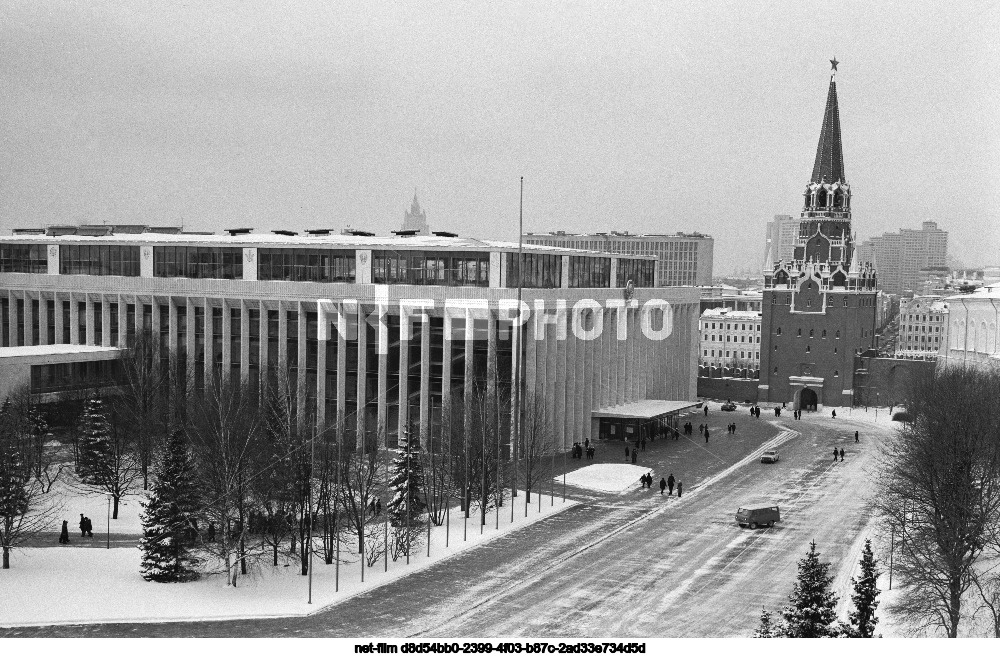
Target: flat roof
(54, 350)
(416, 242)
(644, 409)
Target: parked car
(770, 456)
(729, 406)
(756, 517)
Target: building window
(799, 333)
(315, 265)
(640, 272)
(836, 373)
(837, 335)
(589, 272)
(808, 349)
(198, 262)
(811, 333)
(541, 270)
(845, 302)
(23, 259)
(775, 370)
(824, 334)
(778, 332)
(99, 260)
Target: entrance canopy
(644, 409)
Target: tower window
(845, 302)
(808, 349)
(837, 336)
(778, 331)
(836, 372)
(799, 335)
(824, 333)
(810, 333)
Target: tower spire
(829, 164)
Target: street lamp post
(109, 522)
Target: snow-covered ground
(74, 585)
(74, 499)
(607, 477)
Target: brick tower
(819, 308)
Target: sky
(639, 116)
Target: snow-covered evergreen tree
(406, 482)
(812, 610)
(767, 628)
(168, 520)
(865, 596)
(95, 444)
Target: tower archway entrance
(808, 400)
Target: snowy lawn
(607, 477)
(74, 585)
(74, 499)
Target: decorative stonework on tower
(415, 218)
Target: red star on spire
(833, 63)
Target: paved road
(635, 565)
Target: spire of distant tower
(829, 165)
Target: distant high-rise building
(683, 258)
(415, 218)
(781, 235)
(899, 257)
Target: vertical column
(28, 320)
(282, 339)
(262, 331)
(227, 342)
(106, 322)
(362, 378)
(468, 374)
(321, 317)
(562, 381)
(341, 370)
(89, 319)
(138, 314)
(209, 342)
(171, 342)
(571, 391)
(446, 377)
(122, 321)
(74, 319)
(300, 383)
(564, 278)
(189, 339)
(383, 374)
(551, 351)
(425, 379)
(59, 318)
(244, 336)
(43, 319)
(404, 367)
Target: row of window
(812, 333)
(729, 327)
(23, 259)
(99, 260)
(589, 272)
(198, 262)
(864, 301)
(432, 268)
(316, 265)
(732, 354)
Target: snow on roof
(646, 409)
(728, 313)
(250, 240)
(606, 477)
(54, 350)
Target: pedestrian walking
(586, 443)
(90, 527)
(670, 483)
(834, 453)
(777, 411)
(856, 437)
(64, 534)
(706, 410)
(634, 455)
(626, 451)
(834, 414)
(841, 453)
(663, 484)
(706, 434)
(734, 428)
(83, 526)
(644, 444)
(680, 488)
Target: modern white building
(375, 332)
(730, 338)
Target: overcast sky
(640, 116)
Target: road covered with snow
(631, 564)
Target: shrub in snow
(169, 529)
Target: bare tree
(940, 483)
(536, 447)
(141, 399)
(362, 482)
(480, 433)
(225, 429)
(26, 477)
(988, 586)
(107, 462)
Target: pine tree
(95, 444)
(168, 521)
(767, 628)
(811, 613)
(407, 473)
(865, 596)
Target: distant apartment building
(725, 296)
(971, 333)
(683, 258)
(782, 233)
(900, 257)
(730, 338)
(921, 327)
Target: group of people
(755, 411)
(665, 484)
(86, 529)
(579, 450)
(731, 428)
(835, 452)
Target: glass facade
(197, 262)
(23, 259)
(589, 272)
(316, 265)
(99, 259)
(452, 268)
(63, 377)
(541, 270)
(640, 272)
